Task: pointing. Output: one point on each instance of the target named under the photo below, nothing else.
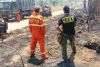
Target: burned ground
(9, 57)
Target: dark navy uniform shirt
(68, 24)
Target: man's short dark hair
(66, 9)
(37, 9)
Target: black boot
(32, 56)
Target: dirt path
(9, 58)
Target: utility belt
(62, 35)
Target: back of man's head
(37, 9)
(66, 9)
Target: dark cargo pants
(64, 45)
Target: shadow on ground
(35, 61)
(69, 63)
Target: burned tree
(94, 7)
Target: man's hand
(58, 28)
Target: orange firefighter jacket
(36, 23)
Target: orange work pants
(38, 37)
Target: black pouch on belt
(59, 37)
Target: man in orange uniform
(18, 16)
(37, 29)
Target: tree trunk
(94, 7)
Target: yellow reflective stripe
(37, 25)
(30, 20)
(68, 19)
(32, 50)
(37, 17)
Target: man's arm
(30, 27)
(58, 26)
(43, 29)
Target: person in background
(4, 23)
(18, 16)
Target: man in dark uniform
(67, 31)
(3, 24)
